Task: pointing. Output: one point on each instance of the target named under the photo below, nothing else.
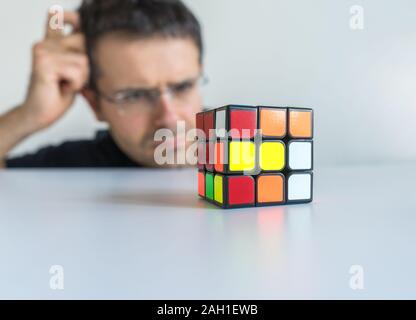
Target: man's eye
(183, 87)
(131, 96)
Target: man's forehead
(126, 61)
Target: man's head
(145, 65)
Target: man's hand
(59, 71)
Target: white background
(362, 84)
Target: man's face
(126, 67)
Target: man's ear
(92, 99)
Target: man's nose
(166, 115)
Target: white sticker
(300, 155)
(220, 124)
(299, 186)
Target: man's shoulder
(101, 151)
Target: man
(137, 63)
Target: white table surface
(144, 234)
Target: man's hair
(137, 18)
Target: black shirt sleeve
(99, 152)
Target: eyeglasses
(143, 100)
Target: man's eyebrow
(132, 90)
(144, 88)
(189, 79)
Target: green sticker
(209, 186)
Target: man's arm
(59, 71)
(15, 126)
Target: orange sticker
(270, 188)
(300, 123)
(219, 156)
(273, 122)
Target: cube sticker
(219, 189)
(255, 156)
(272, 122)
(270, 189)
(201, 159)
(243, 123)
(272, 155)
(232, 191)
(201, 184)
(209, 124)
(235, 121)
(242, 156)
(300, 155)
(210, 154)
(234, 156)
(299, 187)
(200, 123)
(209, 186)
(300, 123)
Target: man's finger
(75, 77)
(72, 18)
(74, 42)
(74, 59)
(58, 19)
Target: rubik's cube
(255, 156)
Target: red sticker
(201, 184)
(209, 124)
(199, 124)
(240, 190)
(244, 122)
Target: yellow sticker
(242, 156)
(218, 190)
(272, 156)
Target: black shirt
(102, 151)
